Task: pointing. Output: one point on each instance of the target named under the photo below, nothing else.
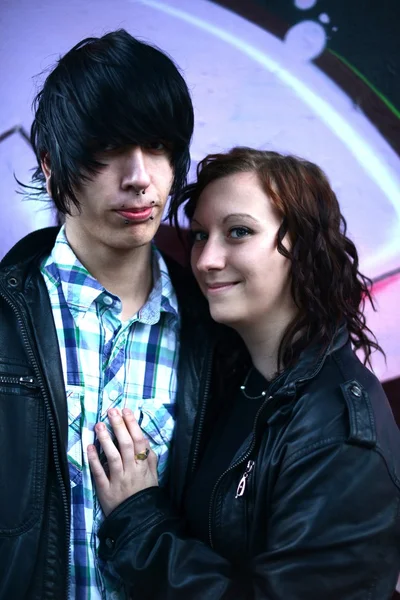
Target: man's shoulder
(30, 248)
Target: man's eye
(158, 147)
(109, 152)
(111, 148)
(198, 236)
(237, 233)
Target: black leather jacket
(319, 516)
(34, 480)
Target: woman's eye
(198, 236)
(237, 233)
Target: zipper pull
(28, 382)
(242, 483)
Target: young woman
(291, 489)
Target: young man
(90, 315)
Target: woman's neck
(263, 341)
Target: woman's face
(234, 256)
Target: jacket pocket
(22, 450)
(18, 384)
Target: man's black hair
(106, 93)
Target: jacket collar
(310, 362)
(31, 247)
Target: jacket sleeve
(332, 533)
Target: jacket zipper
(243, 482)
(40, 384)
(28, 382)
(202, 411)
(233, 466)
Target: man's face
(121, 206)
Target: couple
(158, 446)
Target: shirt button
(114, 596)
(113, 395)
(107, 300)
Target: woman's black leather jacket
(319, 516)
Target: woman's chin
(224, 317)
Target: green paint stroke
(387, 102)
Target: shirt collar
(162, 297)
(81, 289)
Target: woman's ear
(45, 164)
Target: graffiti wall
(311, 77)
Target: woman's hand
(128, 474)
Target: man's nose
(135, 172)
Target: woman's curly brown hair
(326, 283)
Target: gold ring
(142, 455)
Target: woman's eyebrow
(240, 216)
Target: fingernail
(100, 426)
(114, 412)
(127, 412)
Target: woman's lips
(136, 215)
(218, 288)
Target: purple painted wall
(249, 87)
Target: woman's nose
(211, 257)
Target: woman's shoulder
(344, 404)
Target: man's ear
(45, 164)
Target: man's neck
(124, 273)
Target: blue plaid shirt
(108, 363)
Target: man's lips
(136, 215)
